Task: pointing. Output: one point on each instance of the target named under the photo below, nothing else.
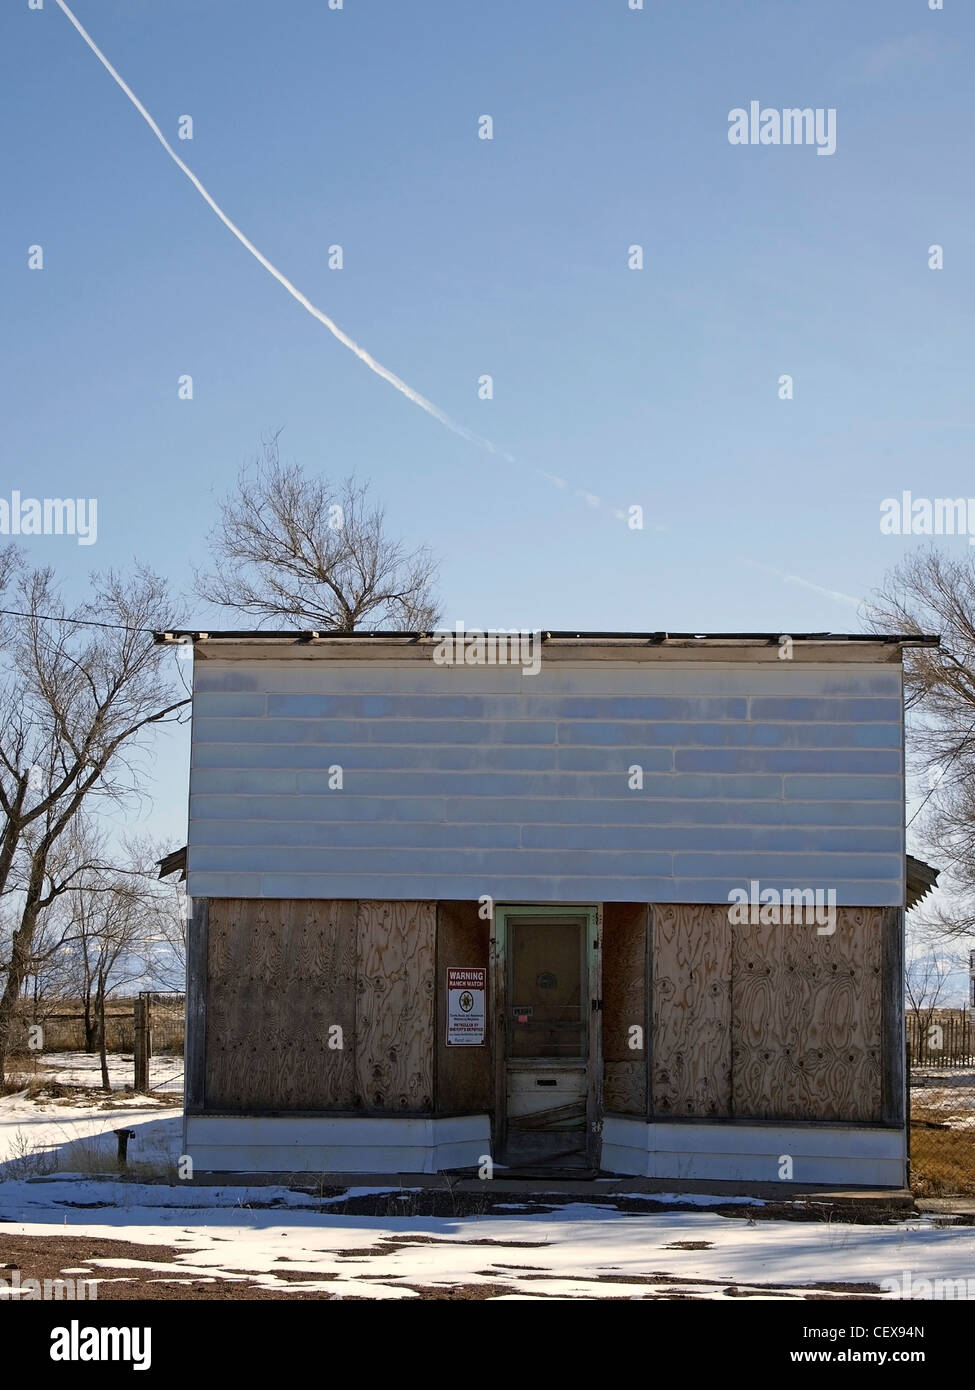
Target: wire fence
(942, 1132)
(61, 1026)
(167, 1023)
(159, 1022)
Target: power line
(76, 622)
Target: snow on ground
(579, 1250)
(85, 1069)
(50, 1135)
(949, 1094)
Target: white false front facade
(577, 834)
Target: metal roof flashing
(620, 646)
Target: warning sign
(465, 1006)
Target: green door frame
(593, 915)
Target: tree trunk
(102, 1042)
(12, 831)
(16, 974)
(20, 956)
(91, 1024)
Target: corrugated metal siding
(460, 782)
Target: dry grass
(39, 1086)
(942, 1155)
(26, 1159)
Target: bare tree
(46, 981)
(76, 852)
(931, 592)
(79, 692)
(166, 945)
(161, 908)
(300, 551)
(927, 980)
(108, 917)
(11, 561)
(106, 924)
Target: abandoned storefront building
(631, 902)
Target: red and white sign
(466, 992)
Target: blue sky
(509, 257)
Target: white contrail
(787, 578)
(332, 327)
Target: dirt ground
(62, 1257)
(47, 1257)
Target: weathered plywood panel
(767, 1022)
(691, 1043)
(624, 945)
(893, 1084)
(195, 1057)
(394, 1018)
(625, 1087)
(807, 1019)
(281, 975)
(465, 1075)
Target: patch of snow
(85, 1069)
(576, 1250)
(579, 1250)
(53, 1135)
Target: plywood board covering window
(395, 1005)
(280, 974)
(766, 1022)
(283, 974)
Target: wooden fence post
(142, 1044)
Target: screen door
(548, 1022)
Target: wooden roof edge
(922, 879)
(184, 636)
(171, 863)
